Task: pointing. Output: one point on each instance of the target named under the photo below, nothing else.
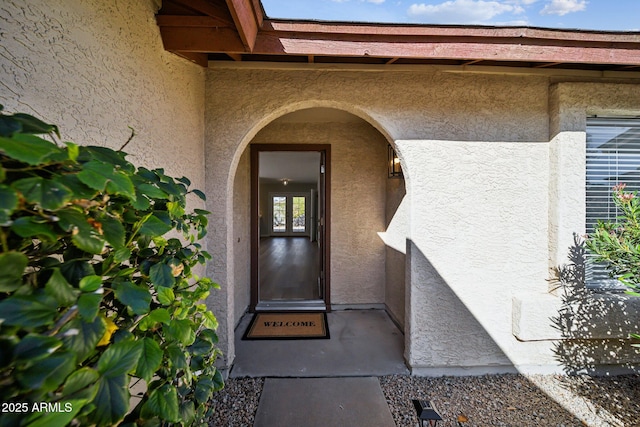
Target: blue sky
(613, 15)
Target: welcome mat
(291, 326)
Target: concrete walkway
(328, 382)
(363, 343)
(323, 402)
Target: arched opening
(364, 271)
(366, 264)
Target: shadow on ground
(591, 360)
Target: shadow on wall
(585, 320)
(594, 326)
(446, 337)
(455, 353)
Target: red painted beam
(246, 20)
(436, 48)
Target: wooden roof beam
(201, 59)
(246, 21)
(549, 64)
(207, 8)
(480, 49)
(525, 33)
(190, 21)
(200, 39)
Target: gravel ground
(237, 403)
(490, 400)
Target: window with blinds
(613, 157)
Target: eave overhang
(238, 30)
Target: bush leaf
(29, 226)
(12, 265)
(47, 193)
(163, 402)
(120, 358)
(150, 359)
(58, 287)
(90, 283)
(48, 374)
(166, 296)
(8, 200)
(89, 305)
(135, 297)
(56, 418)
(162, 275)
(113, 230)
(81, 384)
(33, 347)
(27, 311)
(112, 399)
(101, 176)
(81, 336)
(154, 227)
(29, 149)
(181, 330)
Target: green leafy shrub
(618, 243)
(97, 288)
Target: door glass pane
(299, 224)
(279, 214)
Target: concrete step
(323, 402)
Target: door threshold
(312, 305)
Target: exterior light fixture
(285, 181)
(427, 412)
(393, 164)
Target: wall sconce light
(285, 181)
(393, 164)
(427, 412)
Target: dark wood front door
(290, 206)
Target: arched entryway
(366, 267)
(364, 272)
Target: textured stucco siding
(494, 168)
(96, 68)
(395, 238)
(475, 152)
(590, 329)
(478, 234)
(358, 178)
(242, 236)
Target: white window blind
(613, 157)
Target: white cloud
(562, 7)
(463, 11)
(375, 1)
(518, 2)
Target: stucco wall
(478, 234)
(591, 329)
(95, 68)
(469, 143)
(358, 179)
(491, 162)
(395, 252)
(242, 237)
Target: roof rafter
(244, 16)
(237, 27)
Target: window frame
(599, 163)
(289, 196)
